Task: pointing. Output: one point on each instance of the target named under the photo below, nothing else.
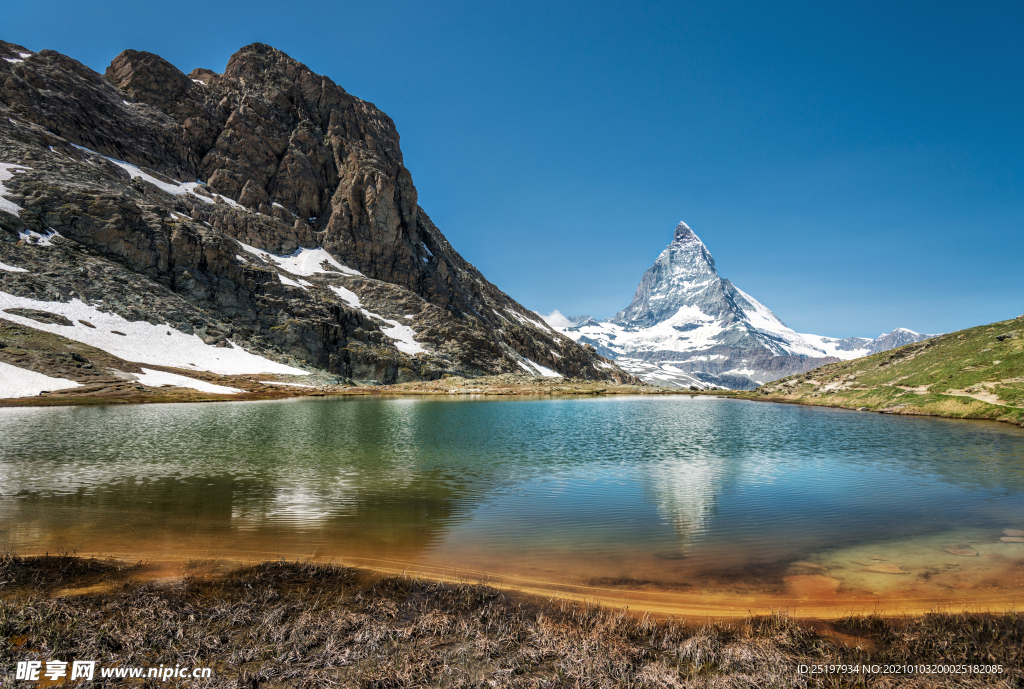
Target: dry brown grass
(303, 625)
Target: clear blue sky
(855, 166)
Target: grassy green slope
(976, 373)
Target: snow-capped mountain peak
(687, 325)
(683, 233)
(683, 268)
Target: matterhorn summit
(688, 326)
(684, 268)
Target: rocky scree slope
(976, 373)
(303, 244)
(687, 326)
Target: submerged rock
(800, 564)
(961, 551)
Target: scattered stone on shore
(1012, 539)
(962, 551)
(1014, 532)
(885, 569)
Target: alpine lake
(671, 504)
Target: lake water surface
(675, 504)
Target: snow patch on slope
(157, 378)
(763, 320)
(301, 284)
(538, 369)
(700, 331)
(36, 239)
(348, 296)
(403, 335)
(8, 170)
(663, 373)
(20, 382)
(304, 262)
(830, 346)
(528, 321)
(142, 342)
(173, 188)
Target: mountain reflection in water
(678, 493)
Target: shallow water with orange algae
(679, 505)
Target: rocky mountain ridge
(687, 326)
(305, 245)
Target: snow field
(301, 284)
(20, 382)
(292, 385)
(157, 378)
(537, 369)
(141, 342)
(828, 345)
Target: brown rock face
(290, 161)
(148, 78)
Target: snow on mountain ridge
(682, 288)
(689, 326)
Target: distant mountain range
(687, 326)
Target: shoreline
(261, 388)
(301, 624)
(804, 597)
(750, 396)
(517, 386)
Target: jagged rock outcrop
(153, 181)
(687, 326)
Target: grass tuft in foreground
(305, 625)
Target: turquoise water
(675, 493)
